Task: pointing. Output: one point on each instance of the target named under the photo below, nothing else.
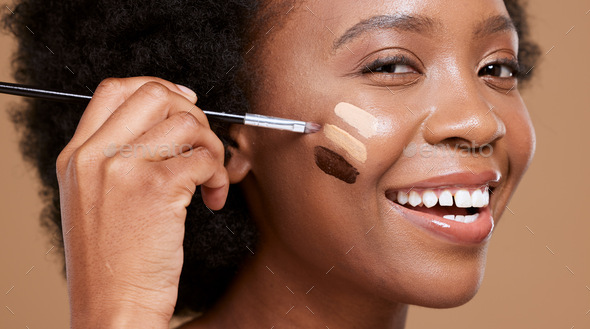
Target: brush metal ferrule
(275, 123)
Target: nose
(462, 115)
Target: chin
(447, 290)
(449, 298)
(442, 279)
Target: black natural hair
(73, 45)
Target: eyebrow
(420, 24)
(402, 22)
(494, 24)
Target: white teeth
(414, 199)
(486, 197)
(477, 199)
(429, 198)
(402, 198)
(446, 198)
(471, 218)
(463, 199)
(463, 219)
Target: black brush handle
(49, 94)
(62, 96)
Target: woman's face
(414, 97)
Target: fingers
(214, 198)
(179, 134)
(194, 151)
(163, 119)
(149, 105)
(109, 95)
(198, 167)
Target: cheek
(351, 138)
(521, 138)
(529, 136)
(335, 165)
(345, 141)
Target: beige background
(538, 273)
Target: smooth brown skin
(309, 220)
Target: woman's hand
(125, 179)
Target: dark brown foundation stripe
(335, 165)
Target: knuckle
(62, 161)
(154, 90)
(76, 164)
(216, 150)
(113, 167)
(81, 158)
(109, 86)
(219, 149)
(214, 146)
(187, 121)
(204, 154)
(200, 115)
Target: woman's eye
(394, 68)
(399, 64)
(398, 70)
(497, 70)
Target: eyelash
(392, 60)
(512, 64)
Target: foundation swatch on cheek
(363, 121)
(353, 146)
(335, 165)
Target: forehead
(323, 20)
(450, 13)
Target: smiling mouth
(459, 204)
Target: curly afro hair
(73, 45)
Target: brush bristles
(311, 128)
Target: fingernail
(186, 90)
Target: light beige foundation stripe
(353, 146)
(363, 121)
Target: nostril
(471, 123)
(459, 143)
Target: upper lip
(470, 178)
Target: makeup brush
(248, 119)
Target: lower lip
(476, 232)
